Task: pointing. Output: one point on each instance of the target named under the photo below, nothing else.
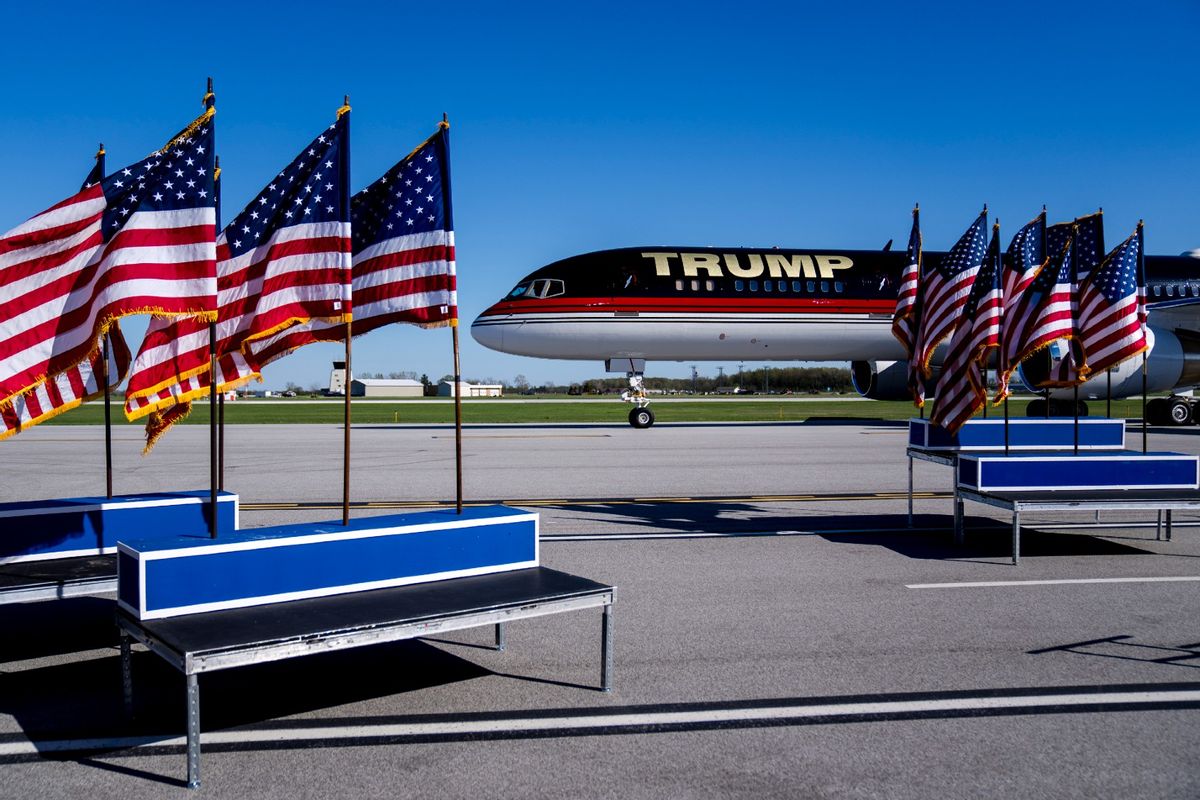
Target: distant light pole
(694, 376)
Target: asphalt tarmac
(780, 631)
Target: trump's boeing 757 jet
(632, 305)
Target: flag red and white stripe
(405, 279)
(67, 390)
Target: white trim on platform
(328, 591)
(114, 503)
(331, 536)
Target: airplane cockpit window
(519, 291)
(544, 287)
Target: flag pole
(108, 459)
(1108, 395)
(213, 377)
(345, 169)
(458, 473)
(209, 102)
(458, 469)
(1141, 276)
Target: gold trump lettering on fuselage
(748, 265)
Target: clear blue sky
(577, 127)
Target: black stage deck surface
(246, 627)
(31, 574)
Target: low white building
(446, 389)
(386, 387)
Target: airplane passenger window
(838, 286)
(695, 286)
(796, 286)
(708, 286)
(1158, 291)
(1195, 289)
(678, 285)
(783, 286)
(812, 286)
(739, 286)
(754, 286)
(1171, 290)
(768, 286)
(824, 286)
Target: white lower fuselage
(597, 335)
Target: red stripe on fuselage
(693, 304)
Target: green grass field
(505, 411)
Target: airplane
(632, 305)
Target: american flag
(1088, 248)
(1039, 315)
(1112, 314)
(1025, 254)
(282, 261)
(962, 389)
(66, 390)
(946, 288)
(904, 320)
(140, 241)
(77, 385)
(404, 267)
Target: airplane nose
(488, 335)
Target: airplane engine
(1173, 362)
(880, 380)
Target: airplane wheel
(1036, 408)
(1179, 412)
(641, 418)
(1157, 411)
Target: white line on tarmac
(982, 584)
(584, 723)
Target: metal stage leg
(500, 636)
(1168, 524)
(1158, 527)
(127, 673)
(910, 491)
(606, 649)
(1016, 534)
(960, 524)
(193, 731)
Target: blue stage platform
(1082, 472)
(40, 530)
(169, 576)
(1023, 434)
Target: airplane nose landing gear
(641, 416)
